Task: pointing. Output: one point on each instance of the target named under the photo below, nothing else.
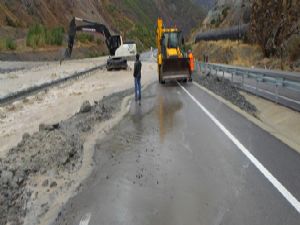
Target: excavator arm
(112, 42)
(118, 50)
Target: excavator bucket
(175, 69)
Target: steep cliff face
(275, 25)
(274, 31)
(133, 18)
(228, 13)
(207, 4)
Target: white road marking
(86, 219)
(285, 193)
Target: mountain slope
(227, 13)
(208, 4)
(135, 19)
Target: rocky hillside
(227, 13)
(273, 40)
(135, 19)
(275, 26)
(207, 4)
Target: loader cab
(172, 44)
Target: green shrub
(95, 54)
(36, 36)
(7, 44)
(11, 44)
(2, 44)
(39, 36)
(111, 8)
(143, 36)
(99, 41)
(55, 36)
(85, 38)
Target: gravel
(225, 89)
(53, 184)
(45, 183)
(57, 147)
(85, 107)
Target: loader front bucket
(175, 69)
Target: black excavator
(119, 51)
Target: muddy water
(166, 163)
(134, 156)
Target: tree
(273, 22)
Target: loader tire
(161, 81)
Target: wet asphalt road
(167, 163)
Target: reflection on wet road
(166, 109)
(166, 163)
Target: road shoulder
(269, 124)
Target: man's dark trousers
(138, 88)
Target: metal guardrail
(275, 78)
(274, 82)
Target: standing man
(137, 74)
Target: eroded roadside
(60, 103)
(280, 121)
(227, 90)
(44, 166)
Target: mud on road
(42, 164)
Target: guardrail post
(243, 80)
(223, 74)
(232, 77)
(259, 78)
(279, 83)
(276, 93)
(199, 68)
(256, 87)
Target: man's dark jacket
(137, 72)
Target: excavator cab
(113, 43)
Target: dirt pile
(227, 90)
(55, 150)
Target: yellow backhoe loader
(172, 60)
